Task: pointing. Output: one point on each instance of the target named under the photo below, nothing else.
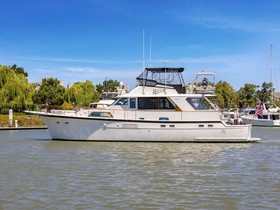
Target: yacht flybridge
(160, 109)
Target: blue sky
(103, 39)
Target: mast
(273, 73)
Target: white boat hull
(261, 122)
(97, 129)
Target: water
(37, 173)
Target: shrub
(67, 106)
(5, 111)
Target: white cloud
(70, 60)
(237, 23)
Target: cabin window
(93, 106)
(199, 103)
(275, 117)
(132, 103)
(100, 114)
(154, 103)
(252, 112)
(121, 101)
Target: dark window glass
(154, 103)
(132, 102)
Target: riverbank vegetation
(22, 120)
(18, 94)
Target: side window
(132, 103)
(154, 103)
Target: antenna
(143, 62)
(165, 63)
(150, 51)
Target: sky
(95, 40)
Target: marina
(39, 173)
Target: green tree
(82, 94)
(265, 94)
(247, 95)
(19, 70)
(107, 86)
(15, 92)
(49, 93)
(225, 95)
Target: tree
(15, 92)
(247, 95)
(19, 70)
(82, 94)
(225, 94)
(49, 93)
(107, 86)
(265, 94)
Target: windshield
(121, 101)
(200, 103)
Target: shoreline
(24, 128)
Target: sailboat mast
(271, 62)
(273, 73)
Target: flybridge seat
(163, 76)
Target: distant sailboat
(270, 112)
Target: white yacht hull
(261, 122)
(100, 129)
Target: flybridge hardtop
(162, 76)
(160, 109)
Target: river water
(37, 173)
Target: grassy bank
(23, 120)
